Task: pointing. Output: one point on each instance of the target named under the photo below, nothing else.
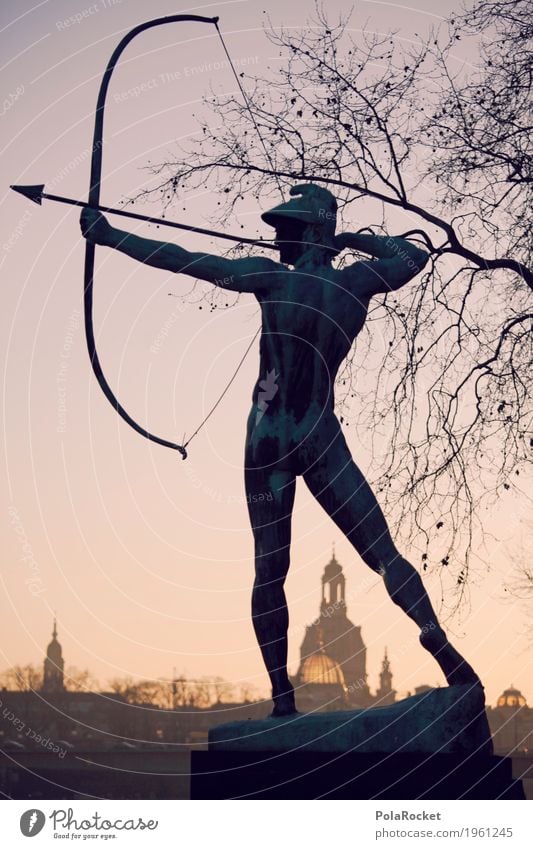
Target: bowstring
(269, 159)
(219, 399)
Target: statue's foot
(284, 705)
(455, 668)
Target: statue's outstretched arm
(249, 274)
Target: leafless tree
(518, 587)
(177, 692)
(23, 678)
(437, 385)
(248, 693)
(222, 690)
(80, 680)
(153, 692)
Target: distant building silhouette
(53, 666)
(385, 695)
(57, 720)
(511, 722)
(332, 673)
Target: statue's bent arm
(397, 262)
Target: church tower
(334, 640)
(385, 695)
(53, 666)
(333, 587)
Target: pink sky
(147, 559)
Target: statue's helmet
(311, 204)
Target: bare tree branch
(444, 406)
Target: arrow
(37, 195)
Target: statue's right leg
(342, 490)
(270, 499)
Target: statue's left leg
(342, 490)
(270, 497)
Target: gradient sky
(147, 559)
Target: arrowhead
(34, 193)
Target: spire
(53, 665)
(385, 694)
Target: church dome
(321, 669)
(511, 698)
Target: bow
(37, 194)
(94, 200)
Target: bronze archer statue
(311, 313)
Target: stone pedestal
(447, 720)
(436, 745)
(314, 775)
